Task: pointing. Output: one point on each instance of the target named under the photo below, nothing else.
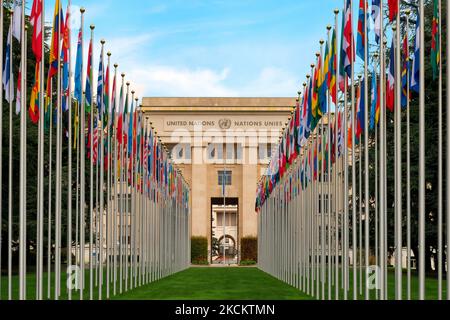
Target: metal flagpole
(382, 159)
(398, 164)
(346, 195)
(108, 184)
(1, 141)
(359, 251)
(408, 170)
(354, 245)
(126, 202)
(132, 161)
(69, 170)
(366, 153)
(115, 177)
(23, 170)
(336, 197)
(101, 213)
(91, 178)
(448, 158)
(82, 168)
(10, 164)
(422, 156)
(322, 197)
(440, 165)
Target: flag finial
(82, 10)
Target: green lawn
(217, 284)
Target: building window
(224, 175)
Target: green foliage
(199, 250)
(247, 263)
(249, 249)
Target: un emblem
(225, 124)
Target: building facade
(222, 146)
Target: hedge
(249, 249)
(199, 250)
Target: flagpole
(336, 166)
(422, 156)
(116, 204)
(354, 246)
(10, 164)
(408, 169)
(41, 165)
(121, 206)
(69, 169)
(382, 159)
(82, 165)
(398, 163)
(23, 170)
(329, 163)
(346, 195)
(108, 184)
(102, 177)
(448, 158)
(1, 141)
(440, 156)
(91, 164)
(126, 204)
(366, 151)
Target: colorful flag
(393, 9)
(376, 19)
(435, 45)
(361, 37)
(361, 109)
(349, 47)
(65, 32)
(120, 118)
(7, 74)
(131, 129)
(100, 84)
(89, 80)
(33, 111)
(36, 22)
(78, 68)
(374, 95)
(58, 27)
(405, 71)
(333, 67)
(19, 91)
(323, 82)
(342, 78)
(390, 85)
(415, 73)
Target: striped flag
(7, 74)
(376, 19)
(349, 47)
(415, 73)
(390, 85)
(19, 91)
(435, 45)
(33, 111)
(36, 22)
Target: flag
(361, 37)
(106, 97)
(78, 68)
(120, 118)
(113, 105)
(390, 85)
(361, 109)
(19, 91)
(349, 48)
(374, 98)
(323, 83)
(33, 111)
(131, 129)
(393, 9)
(405, 71)
(415, 73)
(7, 74)
(100, 84)
(17, 20)
(435, 45)
(36, 22)
(65, 32)
(89, 80)
(55, 42)
(333, 67)
(342, 78)
(376, 19)
(315, 98)
(95, 142)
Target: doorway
(224, 231)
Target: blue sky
(208, 47)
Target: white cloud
(158, 80)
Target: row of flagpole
(323, 228)
(137, 214)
